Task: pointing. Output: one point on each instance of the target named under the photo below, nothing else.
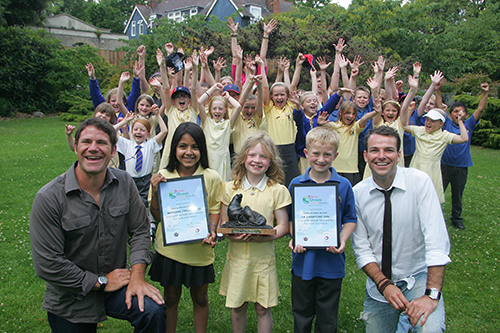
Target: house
(141, 21)
(72, 31)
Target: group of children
(279, 136)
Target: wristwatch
(433, 293)
(103, 281)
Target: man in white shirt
(404, 284)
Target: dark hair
(198, 136)
(385, 131)
(101, 125)
(456, 105)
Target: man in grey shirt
(79, 227)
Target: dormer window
(256, 13)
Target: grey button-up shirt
(74, 240)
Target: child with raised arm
(349, 129)
(278, 110)
(456, 158)
(180, 106)
(140, 151)
(317, 273)
(250, 271)
(430, 143)
(97, 98)
(252, 110)
(218, 127)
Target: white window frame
(256, 14)
(133, 30)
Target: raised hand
(342, 61)
(356, 63)
(124, 76)
(391, 73)
(372, 82)
(437, 77)
(209, 51)
(381, 63)
(417, 67)
(195, 59)
(485, 87)
(323, 118)
(141, 51)
(232, 26)
(169, 47)
(300, 59)
(321, 61)
(413, 82)
(90, 70)
(138, 68)
(188, 63)
(268, 28)
(339, 47)
(153, 81)
(160, 58)
(219, 64)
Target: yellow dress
(250, 272)
(428, 151)
(217, 135)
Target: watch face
(102, 280)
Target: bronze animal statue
(243, 217)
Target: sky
(343, 3)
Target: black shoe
(458, 225)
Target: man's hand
(117, 279)
(140, 288)
(419, 307)
(395, 297)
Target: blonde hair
(274, 172)
(218, 98)
(305, 94)
(347, 105)
(279, 84)
(323, 135)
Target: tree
(21, 12)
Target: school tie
(138, 159)
(387, 235)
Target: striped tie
(138, 159)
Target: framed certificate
(315, 214)
(184, 211)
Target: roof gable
(139, 10)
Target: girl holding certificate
(189, 264)
(250, 271)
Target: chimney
(273, 6)
(152, 3)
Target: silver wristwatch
(103, 281)
(433, 293)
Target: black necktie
(387, 235)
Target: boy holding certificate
(317, 273)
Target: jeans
(383, 318)
(153, 319)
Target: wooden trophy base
(251, 231)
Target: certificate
(184, 212)
(315, 213)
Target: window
(193, 12)
(133, 30)
(257, 14)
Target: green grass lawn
(34, 151)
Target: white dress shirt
(419, 234)
(128, 148)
